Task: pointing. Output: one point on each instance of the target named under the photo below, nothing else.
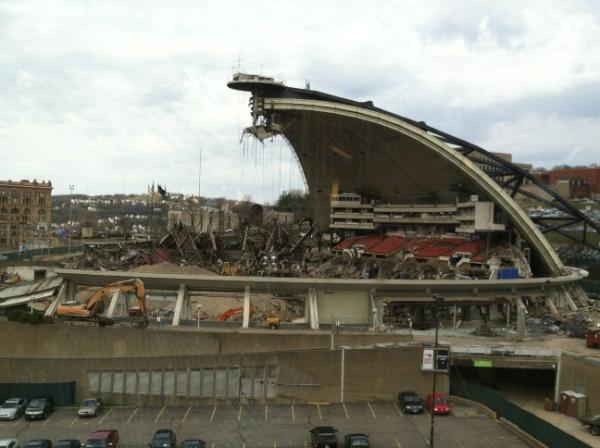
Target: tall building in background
(25, 212)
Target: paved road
(273, 426)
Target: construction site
(412, 234)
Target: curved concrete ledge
(279, 284)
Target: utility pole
(438, 301)
(71, 188)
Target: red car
(438, 405)
(103, 438)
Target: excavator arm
(94, 303)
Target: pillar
(113, 304)
(520, 319)
(311, 309)
(182, 306)
(246, 315)
(60, 298)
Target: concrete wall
(349, 307)
(581, 374)
(27, 272)
(281, 377)
(73, 341)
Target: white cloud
(101, 93)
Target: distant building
(582, 182)
(25, 212)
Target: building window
(26, 215)
(14, 214)
(3, 214)
(42, 215)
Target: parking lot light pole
(71, 188)
(438, 300)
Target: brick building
(573, 183)
(25, 212)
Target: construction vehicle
(91, 309)
(273, 322)
(592, 339)
(233, 312)
(11, 278)
(229, 269)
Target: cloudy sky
(112, 95)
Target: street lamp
(438, 300)
(71, 188)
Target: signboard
(483, 363)
(436, 358)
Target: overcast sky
(111, 95)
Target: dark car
(39, 443)
(103, 438)
(356, 440)
(193, 443)
(68, 443)
(593, 423)
(323, 437)
(410, 403)
(39, 408)
(163, 438)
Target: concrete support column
(246, 316)
(182, 306)
(113, 304)
(376, 318)
(569, 299)
(311, 310)
(60, 298)
(520, 318)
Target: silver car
(90, 407)
(9, 443)
(13, 408)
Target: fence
(27, 254)
(63, 393)
(539, 429)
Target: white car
(13, 408)
(9, 443)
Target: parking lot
(273, 426)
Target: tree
(295, 201)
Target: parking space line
(399, 411)
(17, 421)
(47, 420)
(159, 414)
(240, 413)
(132, 414)
(213, 416)
(458, 442)
(397, 443)
(274, 443)
(266, 412)
(305, 444)
(319, 411)
(73, 421)
(346, 411)
(371, 409)
(186, 414)
(293, 413)
(105, 415)
(212, 445)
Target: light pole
(71, 188)
(438, 300)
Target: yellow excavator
(89, 311)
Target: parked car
(13, 408)
(193, 443)
(593, 423)
(39, 408)
(163, 438)
(410, 403)
(356, 440)
(103, 438)
(323, 437)
(438, 404)
(68, 443)
(9, 443)
(39, 443)
(90, 407)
